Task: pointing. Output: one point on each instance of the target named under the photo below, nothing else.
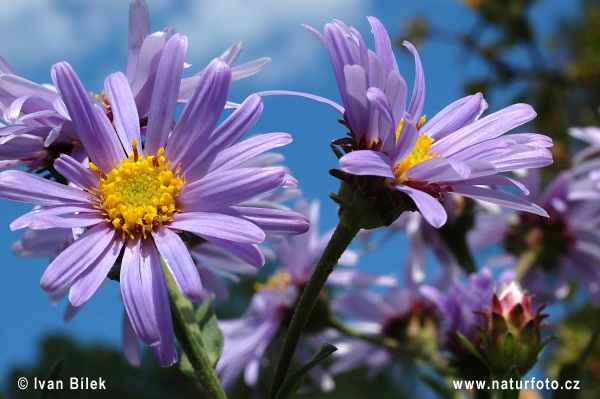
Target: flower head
(140, 192)
(511, 332)
(271, 308)
(455, 151)
(460, 306)
(39, 128)
(548, 252)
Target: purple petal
(25, 187)
(487, 128)
(438, 169)
(396, 93)
(124, 111)
(231, 55)
(129, 343)
(249, 253)
(102, 148)
(524, 160)
(88, 282)
(498, 197)
(357, 105)
(320, 99)
(367, 163)
(248, 69)
(5, 67)
(340, 54)
(406, 140)
(158, 301)
(315, 33)
(272, 221)
(68, 221)
(248, 149)
(177, 258)
(231, 187)
(70, 263)
(417, 101)
(431, 208)
(15, 86)
(217, 225)
(455, 116)
(136, 286)
(383, 47)
(139, 29)
(75, 172)
(200, 115)
(380, 101)
(228, 132)
(165, 93)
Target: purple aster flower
(248, 337)
(459, 306)
(586, 169)
(454, 152)
(39, 126)
(138, 194)
(548, 252)
(401, 314)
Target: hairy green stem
(342, 237)
(205, 373)
(525, 261)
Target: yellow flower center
(139, 193)
(419, 153)
(278, 281)
(102, 97)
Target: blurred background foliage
(559, 75)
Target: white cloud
(38, 33)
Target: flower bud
(512, 332)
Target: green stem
(205, 373)
(525, 261)
(342, 237)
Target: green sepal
(513, 374)
(336, 151)
(292, 384)
(471, 348)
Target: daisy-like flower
(400, 314)
(459, 306)
(247, 339)
(548, 252)
(453, 152)
(39, 126)
(141, 191)
(586, 169)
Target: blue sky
(92, 36)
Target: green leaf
(293, 383)
(52, 375)
(211, 335)
(186, 367)
(471, 348)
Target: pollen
(102, 97)
(138, 194)
(419, 153)
(278, 281)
